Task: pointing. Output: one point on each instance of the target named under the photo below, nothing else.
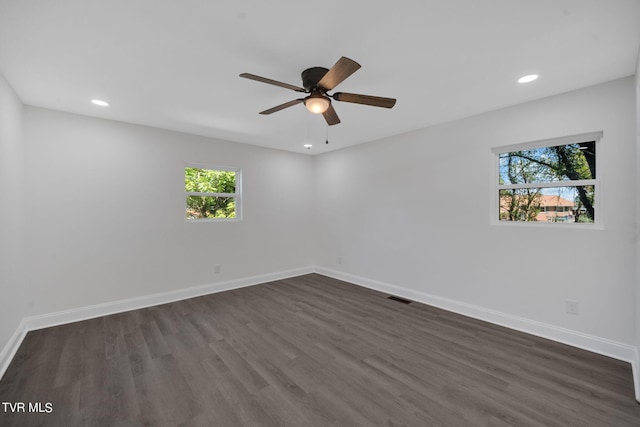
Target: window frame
(597, 224)
(237, 196)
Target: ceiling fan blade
(282, 106)
(376, 101)
(331, 116)
(271, 82)
(338, 73)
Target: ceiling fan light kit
(317, 82)
(317, 103)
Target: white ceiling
(174, 64)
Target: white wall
(413, 211)
(105, 212)
(12, 278)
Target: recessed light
(100, 102)
(528, 78)
(308, 146)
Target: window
(551, 181)
(212, 194)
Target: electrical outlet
(216, 269)
(572, 307)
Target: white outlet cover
(572, 307)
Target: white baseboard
(635, 367)
(83, 313)
(592, 343)
(10, 349)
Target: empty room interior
(327, 214)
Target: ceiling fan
(317, 82)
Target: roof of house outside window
(555, 201)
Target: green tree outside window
(210, 193)
(520, 170)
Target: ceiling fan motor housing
(311, 77)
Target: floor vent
(400, 299)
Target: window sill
(197, 221)
(549, 225)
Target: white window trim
(494, 212)
(237, 195)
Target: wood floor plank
(310, 351)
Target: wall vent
(399, 299)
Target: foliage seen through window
(211, 193)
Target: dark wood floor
(309, 351)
